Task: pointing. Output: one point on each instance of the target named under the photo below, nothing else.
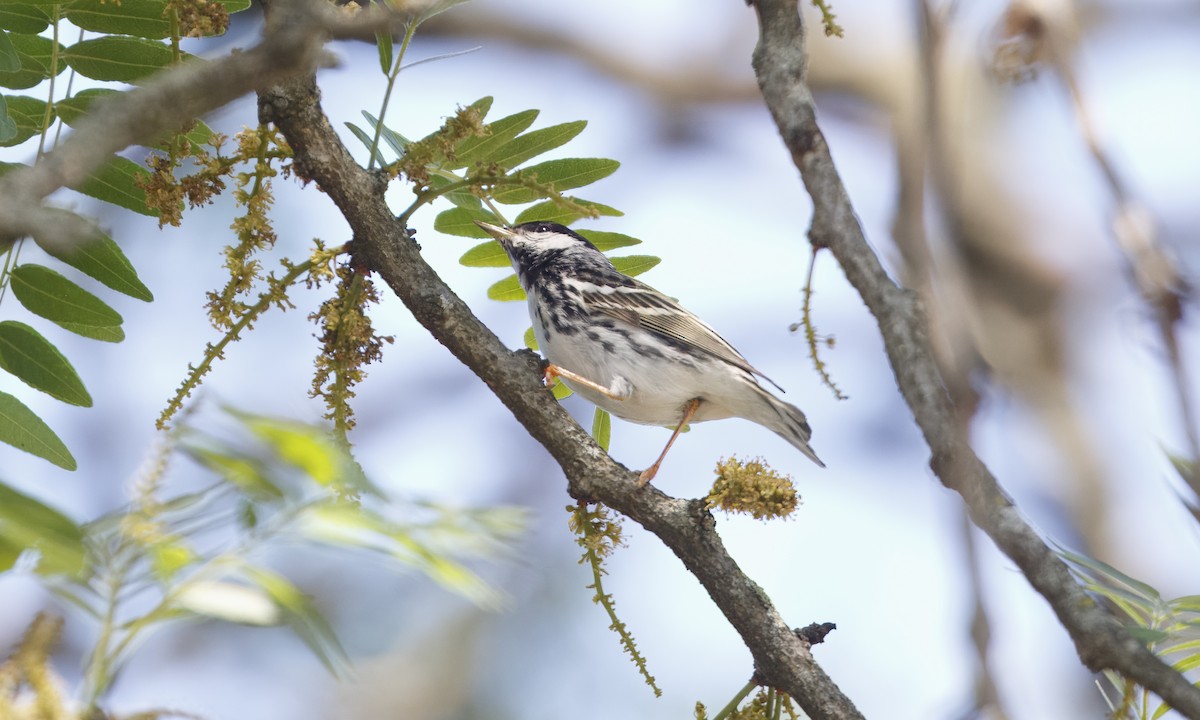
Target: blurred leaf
(550, 211)
(477, 148)
(8, 127)
(118, 58)
(507, 290)
(605, 241)
(488, 254)
(33, 359)
(348, 525)
(531, 340)
(560, 391)
(395, 140)
(1110, 574)
(634, 265)
(436, 8)
(461, 221)
(565, 174)
(170, 555)
(48, 294)
(24, 430)
(248, 475)
(303, 617)
(365, 138)
(230, 601)
(28, 523)
(461, 197)
(29, 117)
(383, 42)
(1146, 636)
(141, 18)
(71, 109)
(36, 54)
(236, 6)
(311, 449)
(103, 260)
(10, 61)
(24, 19)
(602, 428)
(531, 144)
(115, 183)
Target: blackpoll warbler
(630, 349)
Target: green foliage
(1170, 628)
(136, 38)
(201, 554)
(754, 488)
(767, 704)
(599, 534)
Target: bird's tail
(788, 422)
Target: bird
(630, 349)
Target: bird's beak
(503, 234)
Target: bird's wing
(640, 305)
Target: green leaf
(461, 197)
(8, 128)
(10, 61)
(236, 6)
(365, 138)
(228, 601)
(24, 19)
(634, 265)
(383, 41)
(530, 340)
(1111, 575)
(461, 221)
(602, 428)
(556, 175)
(560, 391)
(31, 357)
(303, 617)
(436, 8)
(114, 183)
(488, 254)
(550, 211)
(24, 430)
(507, 290)
(605, 241)
(350, 526)
(103, 260)
(142, 18)
(311, 449)
(248, 475)
(29, 116)
(118, 58)
(531, 144)
(395, 140)
(72, 108)
(470, 150)
(29, 523)
(36, 54)
(48, 294)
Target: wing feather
(640, 305)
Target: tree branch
(1101, 642)
(382, 245)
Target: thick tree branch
(779, 61)
(382, 245)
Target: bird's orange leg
(688, 411)
(553, 371)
